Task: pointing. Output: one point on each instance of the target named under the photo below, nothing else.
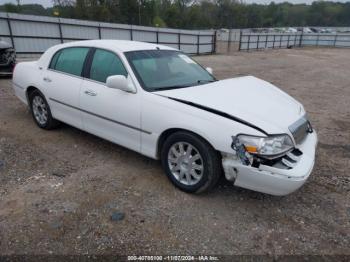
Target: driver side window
(105, 64)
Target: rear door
(63, 80)
(109, 113)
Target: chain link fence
(243, 40)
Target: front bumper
(273, 180)
(7, 61)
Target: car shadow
(224, 188)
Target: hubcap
(39, 110)
(185, 163)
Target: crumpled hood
(248, 98)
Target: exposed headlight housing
(268, 147)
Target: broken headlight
(268, 147)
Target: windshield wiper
(206, 81)
(199, 82)
(170, 87)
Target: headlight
(271, 146)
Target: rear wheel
(190, 162)
(41, 111)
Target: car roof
(118, 45)
(113, 45)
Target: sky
(47, 3)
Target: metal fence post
(288, 41)
(131, 34)
(198, 37)
(214, 43)
(179, 40)
(273, 43)
(248, 42)
(301, 38)
(240, 40)
(10, 30)
(317, 39)
(335, 40)
(281, 36)
(60, 30)
(99, 31)
(229, 41)
(157, 36)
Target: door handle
(46, 79)
(90, 93)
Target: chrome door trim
(102, 117)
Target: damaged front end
(7, 58)
(273, 164)
(285, 159)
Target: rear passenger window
(105, 64)
(70, 60)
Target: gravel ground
(66, 191)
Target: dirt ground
(58, 189)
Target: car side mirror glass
(120, 82)
(209, 70)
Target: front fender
(160, 114)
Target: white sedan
(159, 102)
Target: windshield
(166, 69)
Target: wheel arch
(166, 133)
(30, 89)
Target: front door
(110, 113)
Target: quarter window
(70, 60)
(105, 64)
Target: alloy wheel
(40, 110)
(185, 163)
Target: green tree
(195, 14)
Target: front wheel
(41, 111)
(190, 162)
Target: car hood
(247, 98)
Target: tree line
(192, 14)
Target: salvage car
(158, 101)
(7, 58)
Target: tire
(41, 112)
(180, 167)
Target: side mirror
(120, 82)
(209, 70)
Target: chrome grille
(300, 129)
